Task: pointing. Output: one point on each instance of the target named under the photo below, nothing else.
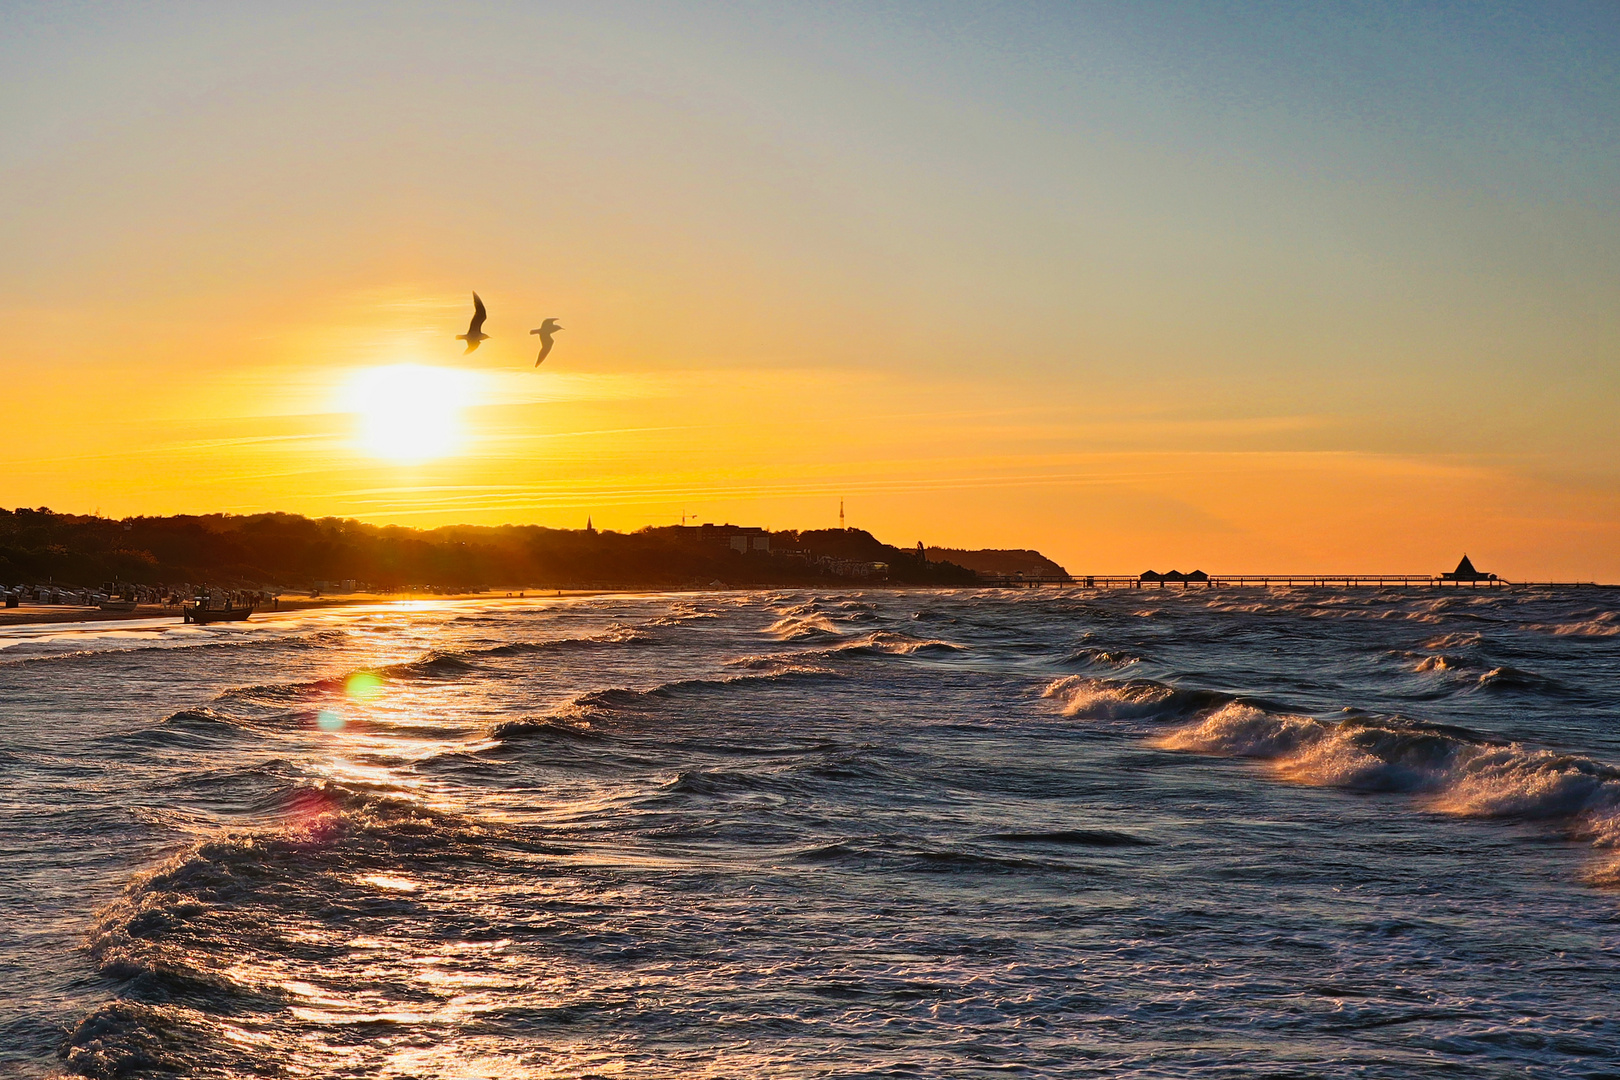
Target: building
(743, 538)
(1465, 572)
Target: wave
(1115, 699)
(817, 617)
(894, 643)
(290, 693)
(851, 766)
(722, 783)
(1080, 837)
(680, 614)
(617, 697)
(1455, 640)
(1114, 658)
(204, 934)
(1454, 770)
(434, 664)
(923, 860)
(160, 639)
(1503, 679)
(547, 729)
(877, 643)
(1602, 625)
(836, 601)
(1451, 769)
(611, 703)
(803, 627)
(204, 728)
(616, 636)
(122, 1038)
(1512, 678)
(431, 665)
(191, 727)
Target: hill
(287, 551)
(1000, 561)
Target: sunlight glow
(409, 412)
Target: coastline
(38, 614)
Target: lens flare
(363, 687)
(328, 720)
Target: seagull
(547, 328)
(475, 329)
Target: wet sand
(29, 614)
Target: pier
(1270, 581)
(1464, 577)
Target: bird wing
(545, 349)
(477, 324)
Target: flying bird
(547, 328)
(475, 329)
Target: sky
(1245, 287)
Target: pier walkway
(1293, 581)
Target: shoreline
(42, 614)
(45, 614)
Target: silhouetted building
(1465, 572)
(743, 538)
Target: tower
(840, 515)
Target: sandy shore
(29, 614)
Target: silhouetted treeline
(288, 551)
(1007, 561)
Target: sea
(860, 833)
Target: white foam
(1246, 731)
(1108, 699)
(1453, 773)
(1601, 625)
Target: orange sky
(1039, 278)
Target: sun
(409, 412)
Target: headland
(63, 567)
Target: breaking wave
(1512, 678)
(1602, 625)
(803, 627)
(1116, 699)
(878, 643)
(1452, 769)
(1466, 640)
(1458, 771)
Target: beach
(29, 614)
